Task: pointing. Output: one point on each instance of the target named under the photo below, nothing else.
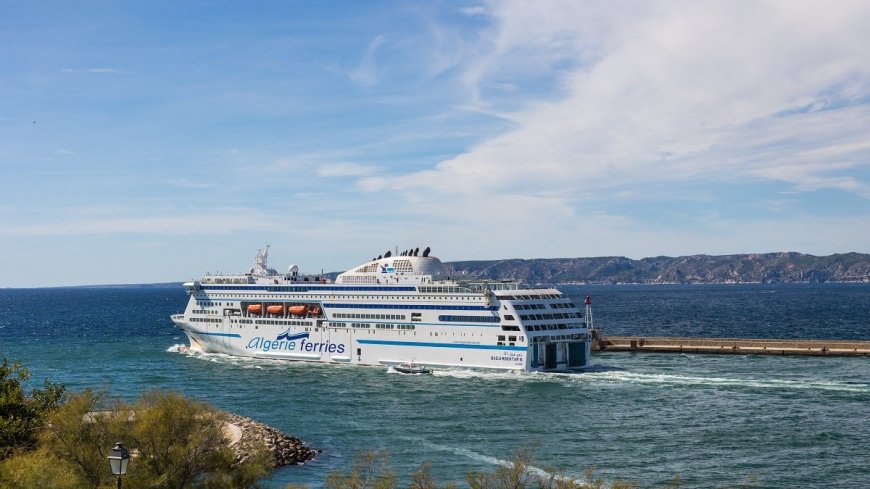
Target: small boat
(278, 309)
(298, 310)
(255, 308)
(411, 368)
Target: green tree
(370, 471)
(83, 431)
(176, 443)
(182, 444)
(38, 469)
(422, 479)
(22, 416)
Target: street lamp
(118, 460)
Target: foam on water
(487, 459)
(686, 380)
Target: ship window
(508, 317)
(501, 337)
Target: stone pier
(739, 346)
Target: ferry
(392, 310)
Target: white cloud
(366, 73)
(665, 91)
(345, 170)
(204, 224)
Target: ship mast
(260, 262)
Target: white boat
(411, 368)
(384, 312)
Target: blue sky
(155, 141)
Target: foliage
(22, 416)
(176, 443)
(181, 443)
(82, 436)
(422, 479)
(38, 469)
(369, 472)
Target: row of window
(344, 315)
(447, 289)
(539, 317)
(528, 297)
(311, 288)
(469, 319)
(410, 306)
(205, 320)
(545, 327)
(543, 339)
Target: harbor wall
(738, 346)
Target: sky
(156, 141)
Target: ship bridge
(403, 269)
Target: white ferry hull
(397, 317)
(349, 346)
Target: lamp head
(119, 459)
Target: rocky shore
(247, 436)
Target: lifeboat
(298, 310)
(278, 309)
(255, 308)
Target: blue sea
(714, 421)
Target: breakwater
(739, 346)
(247, 436)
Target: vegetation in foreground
(371, 471)
(51, 439)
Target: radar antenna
(260, 267)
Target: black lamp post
(118, 460)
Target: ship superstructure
(388, 311)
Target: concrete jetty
(738, 346)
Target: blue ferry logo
(291, 337)
(387, 269)
(294, 342)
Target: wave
(479, 457)
(597, 374)
(687, 380)
(612, 375)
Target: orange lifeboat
(277, 309)
(255, 308)
(298, 310)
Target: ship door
(576, 354)
(225, 334)
(550, 356)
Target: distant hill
(696, 269)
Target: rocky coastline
(247, 436)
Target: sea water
(712, 420)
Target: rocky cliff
(752, 268)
